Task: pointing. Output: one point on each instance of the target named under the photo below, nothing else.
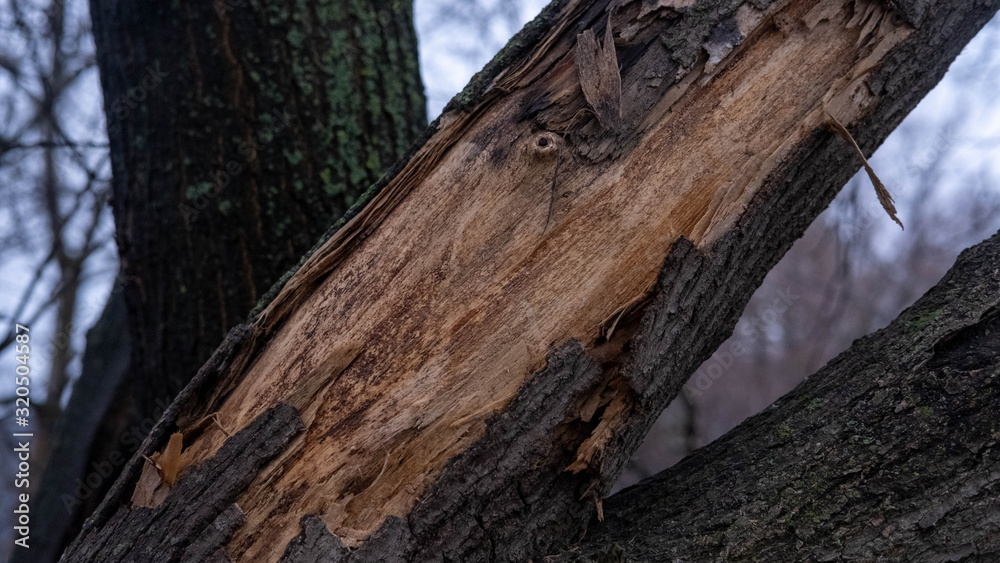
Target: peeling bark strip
(597, 66)
(199, 516)
(444, 300)
(884, 197)
(889, 453)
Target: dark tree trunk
(239, 132)
(477, 352)
(889, 453)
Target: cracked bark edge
(198, 516)
(456, 517)
(699, 298)
(315, 544)
(889, 451)
(671, 343)
(912, 11)
(213, 369)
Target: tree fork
(888, 453)
(403, 457)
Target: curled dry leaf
(170, 462)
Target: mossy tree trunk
(461, 370)
(239, 131)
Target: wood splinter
(600, 79)
(170, 463)
(884, 197)
(161, 472)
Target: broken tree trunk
(475, 353)
(888, 453)
(228, 165)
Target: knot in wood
(544, 146)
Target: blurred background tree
(851, 273)
(209, 94)
(56, 232)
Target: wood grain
(403, 460)
(452, 288)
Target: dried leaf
(597, 67)
(884, 197)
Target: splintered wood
(425, 314)
(160, 473)
(597, 66)
(884, 197)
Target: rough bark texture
(239, 132)
(889, 453)
(65, 498)
(405, 466)
(200, 515)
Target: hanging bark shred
(473, 305)
(884, 197)
(600, 79)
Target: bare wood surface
(433, 320)
(449, 296)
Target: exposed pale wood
(450, 297)
(454, 298)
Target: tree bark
(475, 354)
(888, 453)
(239, 131)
